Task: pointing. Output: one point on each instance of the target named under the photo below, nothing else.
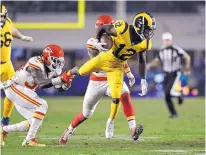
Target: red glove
(67, 77)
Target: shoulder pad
(120, 26)
(36, 62)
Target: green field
(162, 136)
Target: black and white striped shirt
(170, 58)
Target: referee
(169, 57)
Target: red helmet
(53, 57)
(104, 19)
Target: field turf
(162, 136)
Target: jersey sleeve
(180, 50)
(120, 26)
(35, 62)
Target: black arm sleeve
(142, 64)
(108, 29)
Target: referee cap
(166, 36)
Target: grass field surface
(161, 136)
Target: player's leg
(28, 99)
(95, 91)
(115, 81)
(168, 83)
(7, 72)
(128, 109)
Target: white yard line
(93, 137)
(171, 151)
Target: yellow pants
(7, 72)
(108, 63)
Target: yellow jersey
(127, 43)
(6, 38)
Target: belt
(3, 62)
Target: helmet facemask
(4, 15)
(148, 32)
(55, 63)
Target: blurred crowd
(103, 6)
(192, 86)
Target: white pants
(26, 100)
(95, 91)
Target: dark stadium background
(187, 13)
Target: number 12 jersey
(127, 42)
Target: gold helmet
(4, 14)
(144, 24)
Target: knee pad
(116, 100)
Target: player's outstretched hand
(27, 38)
(67, 77)
(131, 78)
(98, 45)
(144, 86)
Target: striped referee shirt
(170, 58)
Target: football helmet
(144, 24)
(53, 57)
(4, 14)
(104, 19)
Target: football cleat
(137, 132)
(3, 136)
(65, 136)
(109, 132)
(5, 121)
(32, 143)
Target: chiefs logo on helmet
(53, 57)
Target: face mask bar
(57, 63)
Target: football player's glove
(143, 87)
(67, 77)
(131, 78)
(98, 45)
(27, 38)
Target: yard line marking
(93, 137)
(173, 151)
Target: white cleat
(65, 136)
(109, 131)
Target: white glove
(131, 78)
(98, 45)
(26, 38)
(4, 85)
(143, 87)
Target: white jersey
(23, 77)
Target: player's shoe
(65, 136)
(109, 132)
(32, 143)
(3, 136)
(137, 132)
(5, 121)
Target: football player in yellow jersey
(8, 31)
(127, 40)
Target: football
(107, 39)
